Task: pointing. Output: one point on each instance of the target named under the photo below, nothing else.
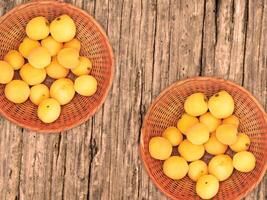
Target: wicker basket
(167, 109)
(95, 46)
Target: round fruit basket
(95, 46)
(167, 109)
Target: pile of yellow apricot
(49, 49)
(207, 125)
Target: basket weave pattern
(95, 46)
(168, 108)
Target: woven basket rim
(163, 93)
(111, 55)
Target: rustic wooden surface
(156, 42)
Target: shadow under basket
(95, 46)
(168, 108)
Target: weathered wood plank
(223, 38)
(209, 38)
(58, 168)
(238, 41)
(191, 19)
(105, 134)
(37, 164)
(10, 159)
(255, 71)
(78, 159)
(146, 44)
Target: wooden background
(156, 42)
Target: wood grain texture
(155, 43)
